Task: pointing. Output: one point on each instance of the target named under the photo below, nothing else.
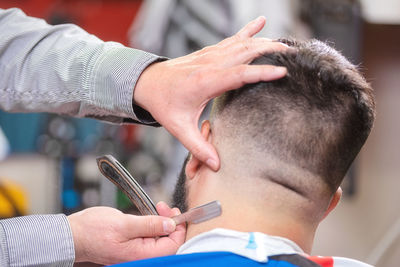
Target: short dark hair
(317, 118)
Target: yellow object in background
(13, 199)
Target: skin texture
(185, 85)
(243, 202)
(105, 235)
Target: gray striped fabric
(36, 240)
(63, 69)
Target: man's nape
(284, 146)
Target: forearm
(63, 69)
(39, 240)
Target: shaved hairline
(278, 171)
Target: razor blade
(118, 175)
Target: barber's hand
(176, 91)
(107, 236)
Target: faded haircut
(317, 118)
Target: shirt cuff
(37, 240)
(115, 75)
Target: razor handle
(118, 175)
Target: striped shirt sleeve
(60, 69)
(63, 69)
(36, 240)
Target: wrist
(144, 87)
(79, 251)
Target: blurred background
(48, 161)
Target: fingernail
(260, 18)
(285, 45)
(280, 70)
(169, 226)
(177, 212)
(212, 163)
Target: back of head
(302, 131)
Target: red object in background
(107, 19)
(128, 136)
(38, 8)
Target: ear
(194, 164)
(334, 201)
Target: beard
(179, 196)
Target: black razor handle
(117, 174)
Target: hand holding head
(176, 91)
(284, 145)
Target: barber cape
(222, 247)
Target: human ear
(334, 201)
(194, 164)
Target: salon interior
(48, 162)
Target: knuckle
(246, 45)
(208, 49)
(237, 37)
(203, 51)
(152, 226)
(241, 71)
(235, 44)
(240, 74)
(196, 150)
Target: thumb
(192, 139)
(149, 226)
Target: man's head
(295, 137)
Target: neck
(252, 214)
